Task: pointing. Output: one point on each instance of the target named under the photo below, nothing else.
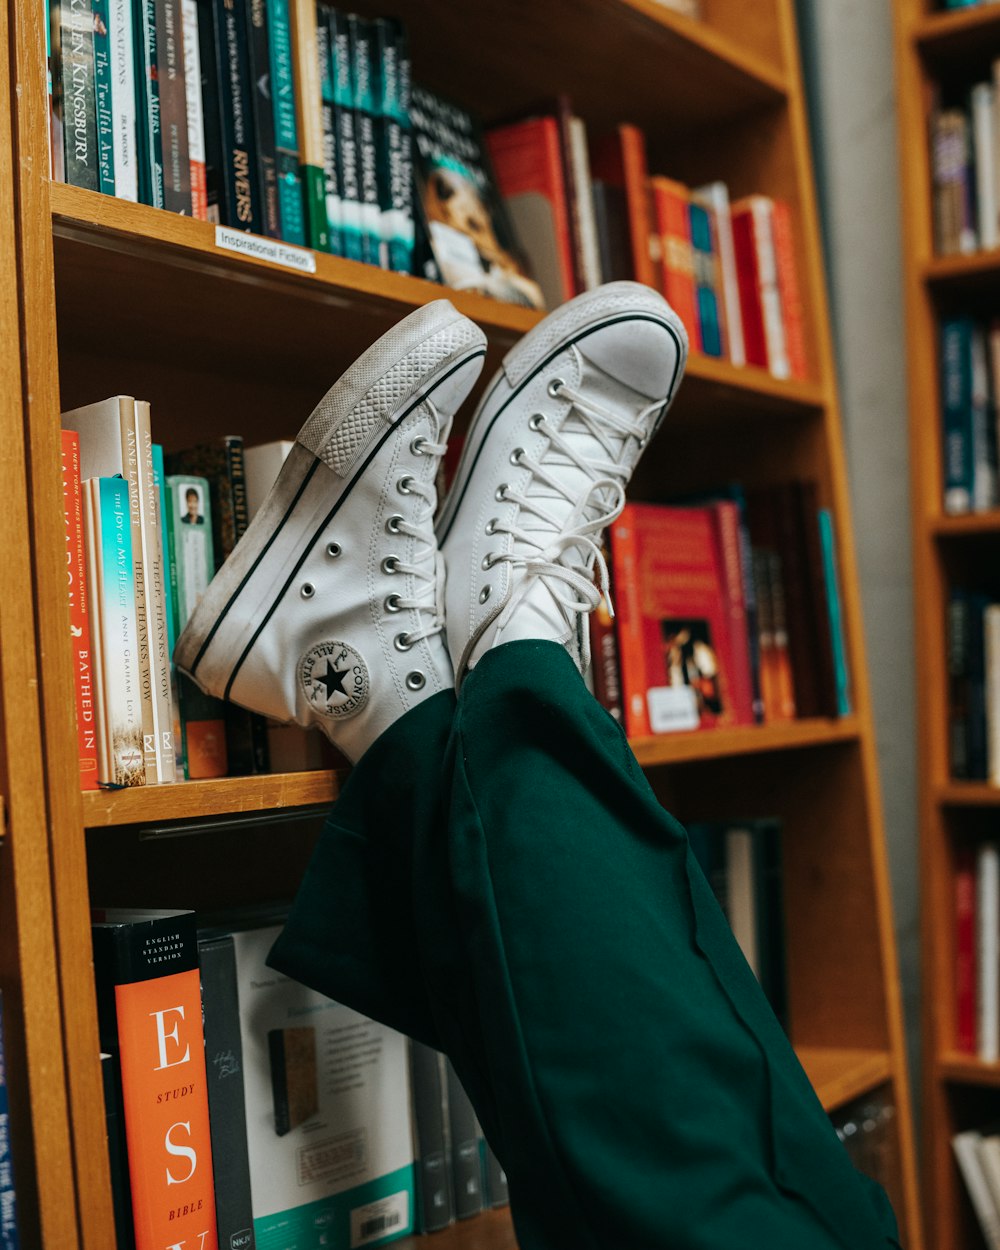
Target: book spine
(957, 641)
(762, 213)
(788, 707)
(76, 576)
(211, 105)
(104, 107)
(396, 150)
(991, 664)
(239, 182)
(765, 637)
(331, 164)
(352, 232)
(169, 581)
(842, 674)
(715, 196)
(9, 1237)
(90, 493)
(195, 109)
(226, 1102)
(987, 951)
(123, 118)
(149, 1015)
(579, 160)
(466, 1168)
(309, 121)
(964, 1147)
(434, 1189)
(965, 950)
(173, 107)
(76, 74)
(748, 279)
(360, 38)
(154, 577)
(151, 182)
(984, 430)
(976, 668)
(258, 38)
(637, 198)
(704, 255)
(727, 519)
(604, 652)
(670, 206)
(286, 137)
(628, 613)
(789, 290)
(805, 494)
(984, 140)
(956, 414)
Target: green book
(363, 96)
(331, 174)
(147, 90)
(347, 144)
(102, 89)
(391, 69)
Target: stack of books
(965, 165)
(727, 613)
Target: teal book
(706, 279)
(828, 540)
(331, 173)
(108, 531)
(147, 91)
(169, 581)
(102, 92)
(73, 26)
(956, 414)
(352, 234)
(391, 70)
(363, 99)
(286, 134)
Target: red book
(674, 630)
(965, 950)
(79, 623)
(788, 286)
(726, 513)
(671, 204)
(619, 159)
(527, 159)
(757, 277)
(149, 1017)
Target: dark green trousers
(498, 880)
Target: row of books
(145, 534)
(973, 641)
(965, 166)
(970, 378)
(977, 949)
(727, 613)
(977, 1153)
(9, 1238)
(243, 1106)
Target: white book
(715, 197)
(988, 1150)
(982, 107)
(123, 139)
(991, 642)
(965, 1146)
(262, 464)
(741, 904)
(762, 211)
(988, 951)
(195, 114)
(583, 203)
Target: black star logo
(333, 679)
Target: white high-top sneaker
(329, 612)
(543, 472)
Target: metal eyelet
(555, 386)
(516, 455)
(491, 525)
(417, 445)
(392, 603)
(501, 495)
(392, 524)
(488, 560)
(642, 442)
(415, 681)
(389, 564)
(402, 642)
(484, 594)
(307, 590)
(404, 484)
(535, 420)
(333, 550)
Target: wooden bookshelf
(102, 296)
(957, 1089)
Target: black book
(391, 63)
(239, 181)
(611, 220)
(263, 116)
(435, 1197)
(173, 107)
(114, 1119)
(348, 166)
(328, 120)
(210, 100)
(466, 1165)
(149, 131)
(361, 37)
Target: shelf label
(274, 250)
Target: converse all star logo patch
(335, 679)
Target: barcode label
(378, 1219)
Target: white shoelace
(427, 566)
(564, 552)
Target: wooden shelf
(978, 269)
(975, 524)
(954, 36)
(968, 794)
(492, 1230)
(967, 1070)
(712, 744)
(838, 1076)
(201, 800)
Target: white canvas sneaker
(329, 612)
(543, 472)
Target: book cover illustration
(469, 230)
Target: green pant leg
(643, 1093)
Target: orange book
(149, 1016)
(619, 159)
(79, 620)
(671, 205)
(788, 285)
(527, 160)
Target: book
(79, 616)
(605, 666)
(123, 99)
(195, 110)
(328, 1111)
(765, 340)
(951, 166)
(965, 949)
(72, 26)
(671, 201)
(991, 669)
(988, 1157)
(286, 135)
(211, 112)
(9, 1238)
(969, 457)
(434, 1189)
(115, 437)
(674, 630)
(714, 197)
(363, 97)
(460, 208)
(792, 306)
(189, 541)
(149, 1020)
(332, 176)
(527, 158)
(957, 646)
(309, 121)
(964, 1145)
(226, 1101)
(237, 184)
(611, 224)
(169, 580)
(114, 1122)
(170, 70)
(104, 110)
(982, 115)
(707, 279)
(108, 535)
(346, 170)
(842, 673)
(987, 910)
(259, 54)
(391, 58)
(618, 159)
(466, 1165)
(148, 117)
